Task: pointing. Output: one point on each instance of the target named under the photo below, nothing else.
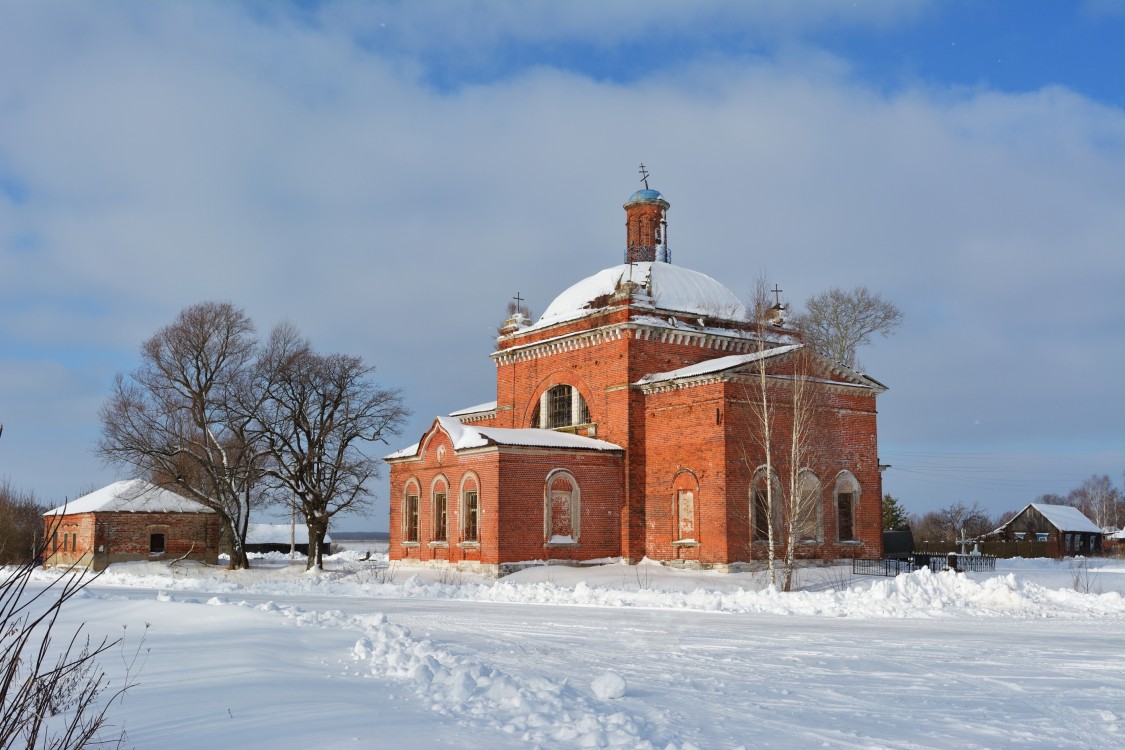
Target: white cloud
(176, 153)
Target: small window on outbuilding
(156, 544)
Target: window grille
(410, 519)
(472, 514)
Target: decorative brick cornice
(749, 379)
(676, 332)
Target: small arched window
(439, 509)
(808, 526)
(470, 509)
(765, 507)
(410, 512)
(847, 500)
(560, 406)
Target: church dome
(645, 195)
(663, 287)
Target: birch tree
(1098, 499)
(181, 416)
(784, 405)
(763, 410)
(802, 499)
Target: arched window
(765, 504)
(470, 509)
(562, 508)
(847, 500)
(410, 512)
(808, 526)
(560, 406)
(439, 508)
(685, 492)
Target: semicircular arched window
(559, 407)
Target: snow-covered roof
(1066, 518)
(130, 496)
(466, 436)
(718, 364)
(667, 287)
(488, 406)
(278, 533)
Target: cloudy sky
(386, 176)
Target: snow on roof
(131, 496)
(718, 364)
(466, 436)
(1066, 518)
(407, 452)
(278, 533)
(668, 287)
(488, 406)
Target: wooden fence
(993, 549)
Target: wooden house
(1065, 530)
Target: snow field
(614, 656)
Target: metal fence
(936, 563)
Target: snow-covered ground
(364, 655)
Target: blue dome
(645, 195)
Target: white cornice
(675, 331)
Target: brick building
(130, 520)
(627, 422)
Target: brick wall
(97, 539)
(511, 483)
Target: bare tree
(803, 498)
(837, 322)
(21, 524)
(765, 501)
(185, 417)
(1098, 499)
(959, 521)
(784, 400)
(60, 702)
(317, 413)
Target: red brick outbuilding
(652, 373)
(130, 520)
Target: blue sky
(385, 176)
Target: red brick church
(628, 423)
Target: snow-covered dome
(668, 287)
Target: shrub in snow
(609, 686)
